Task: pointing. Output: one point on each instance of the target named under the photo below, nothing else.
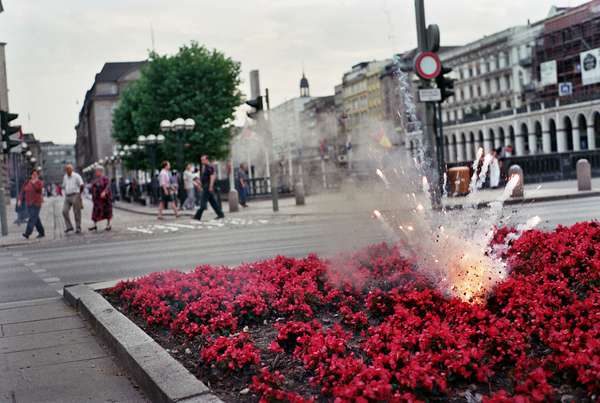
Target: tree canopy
(195, 83)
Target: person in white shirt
(166, 192)
(188, 183)
(494, 170)
(72, 186)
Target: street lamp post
(178, 126)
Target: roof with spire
(303, 81)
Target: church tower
(304, 90)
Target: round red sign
(428, 65)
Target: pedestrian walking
(188, 183)
(494, 170)
(207, 181)
(242, 185)
(73, 186)
(166, 192)
(34, 198)
(102, 199)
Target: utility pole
(427, 41)
(256, 102)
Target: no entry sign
(428, 65)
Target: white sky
(55, 47)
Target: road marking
(51, 279)
(38, 271)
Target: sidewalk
(357, 201)
(535, 192)
(47, 353)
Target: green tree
(195, 83)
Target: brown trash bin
(458, 179)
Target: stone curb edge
(161, 377)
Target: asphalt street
(38, 270)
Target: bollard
(584, 175)
(518, 191)
(299, 191)
(233, 200)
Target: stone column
(451, 151)
(520, 146)
(561, 140)
(546, 141)
(533, 145)
(487, 141)
(576, 139)
(497, 142)
(460, 151)
(469, 154)
(591, 137)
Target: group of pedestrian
(73, 186)
(204, 183)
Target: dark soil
(228, 387)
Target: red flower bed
(368, 327)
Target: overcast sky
(54, 48)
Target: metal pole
(3, 217)
(440, 152)
(275, 169)
(180, 151)
(428, 126)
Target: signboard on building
(590, 66)
(548, 73)
(565, 89)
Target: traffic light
(8, 130)
(257, 107)
(445, 84)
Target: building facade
(362, 101)
(548, 103)
(94, 129)
(54, 157)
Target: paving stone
(98, 380)
(47, 311)
(43, 326)
(55, 355)
(43, 340)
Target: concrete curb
(161, 377)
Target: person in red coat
(34, 198)
(102, 200)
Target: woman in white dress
(494, 170)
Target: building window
(478, 90)
(470, 71)
(498, 86)
(508, 104)
(508, 83)
(462, 94)
(487, 86)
